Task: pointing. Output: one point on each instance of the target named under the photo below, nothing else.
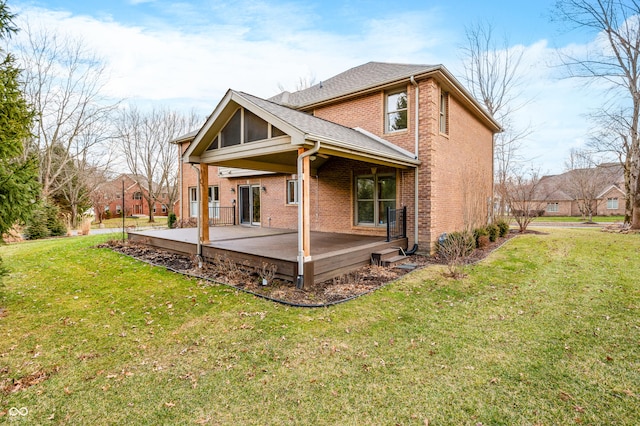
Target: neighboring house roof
(610, 188)
(555, 187)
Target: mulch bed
(340, 289)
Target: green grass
(597, 219)
(159, 221)
(544, 331)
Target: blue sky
(186, 54)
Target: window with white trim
(193, 201)
(444, 113)
(214, 202)
(396, 111)
(292, 191)
(553, 207)
(612, 203)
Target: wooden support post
(204, 203)
(306, 206)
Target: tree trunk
(150, 203)
(74, 216)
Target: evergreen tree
(18, 173)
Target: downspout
(301, 177)
(199, 244)
(180, 180)
(416, 180)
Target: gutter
(301, 178)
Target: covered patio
(332, 254)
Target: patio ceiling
(279, 154)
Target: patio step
(395, 261)
(387, 257)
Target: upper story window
(396, 111)
(137, 195)
(444, 113)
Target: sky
(186, 54)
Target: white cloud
(256, 47)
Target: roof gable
(300, 129)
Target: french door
(249, 200)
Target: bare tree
(64, 83)
(525, 196)
(584, 180)
(492, 73)
(144, 140)
(103, 192)
(613, 58)
(612, 137)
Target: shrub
(503, 226)
(171, 220)
(55, 224)
(493, 232)
(454, 248)
(45, 222)
(478, 233)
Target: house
(376, 145)
(567, 194)
(108, 201)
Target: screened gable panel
(230, 134)
(255, 128)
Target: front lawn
(159, 221)
(596, 219)
(544, 331)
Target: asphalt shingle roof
(362, 77)
(310, 124)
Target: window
(612, 203)
(214, 144)
(164, 208)
(193, 202)
(230, 134)
(244, 127)
(118, 196)
(292, 191)
(553, 208)
(444, 113)
(118, 209)
(214, 202)
(137, 195)
(374, 193)
(275, 132)
(396, 111)
(255, 128)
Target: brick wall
(455, 175)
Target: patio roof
(279, 154)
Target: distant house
(561, 194)
(334, 156)
(109, 202)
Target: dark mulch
(359, 282)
